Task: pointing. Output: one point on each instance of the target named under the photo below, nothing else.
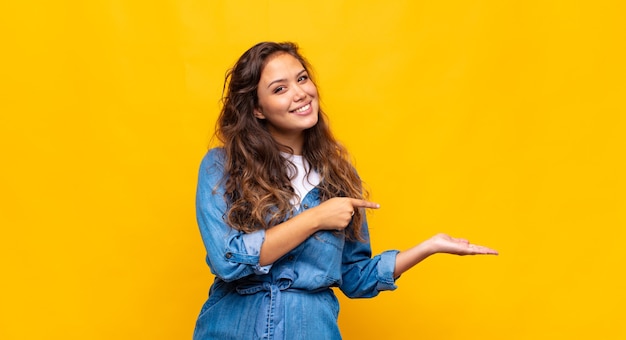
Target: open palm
(442, 243)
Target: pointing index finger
(358, 203)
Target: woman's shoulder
(214, 155)
(213, 161)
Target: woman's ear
(258, 113)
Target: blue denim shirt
(259, 297)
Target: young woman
(281, 211)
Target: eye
(303, 78)
(279, 89)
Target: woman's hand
(442, 243)
(336, 213)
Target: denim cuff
(252, 242)
(386, 266)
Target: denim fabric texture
(291, 298)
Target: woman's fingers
(478, 250)
(336, 213)
(459, 246)
(359, 203)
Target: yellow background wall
(500, 121)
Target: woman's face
(287, 98)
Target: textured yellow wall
(500, 121)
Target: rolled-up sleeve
(231, 254)
(364, 276)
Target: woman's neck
(292, 144)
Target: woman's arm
(440, 243)
(333, 214)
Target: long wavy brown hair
(258, 187)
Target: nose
(299, 94)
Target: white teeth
(302, 109)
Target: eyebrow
(279, 80)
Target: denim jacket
(326, 259)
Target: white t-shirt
(303, 182)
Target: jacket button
(305, 206)
(290, 258)
(228, 255)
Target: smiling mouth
(302, 109)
